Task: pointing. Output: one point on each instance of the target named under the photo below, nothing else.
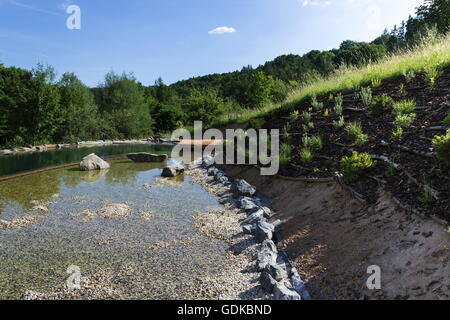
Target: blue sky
(179, 39)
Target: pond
(22, 162)
(145, 248)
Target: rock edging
(278, 276)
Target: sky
(179, 39)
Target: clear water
(37, 256)
(21, 162)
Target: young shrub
(339, 123)
(432, 73)
(354, 167)
(366, 96)
(397, 133)
(306, 156)
(339, 101)
(294, 115)
(326, 113)
(404, 107)
(306, 116)
(376, 82)
(404, 120)
(391, 170)
(285, 154)
(381, 103)
(427, 196)
(316, 104)
(286, 130)
(442, 146)
(308, 127)
(446, 120)
(362, 140)
(409, 75)
(402, 89)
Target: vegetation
(285, 154)
(427, 196)
(353, 167)
(442, 146)
(36, 107)
(366, 96)
(381, 104)
(356, 133)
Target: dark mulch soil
(433, 105)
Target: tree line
(37, 108)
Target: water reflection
(37, 160)
(42, 186)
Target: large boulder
(281, 292)
(243, 188)
(173, 171)
(264, 231)
(268, 283)
(264, 259)
(93, 162)
(147, 157)
(254, 218)
(276, 271)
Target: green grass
(432, 54)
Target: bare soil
(332, 239)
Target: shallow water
(21, 162)
(164, 252)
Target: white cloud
(222, 30)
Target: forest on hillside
(37, 107)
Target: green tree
(260, 90)
(122, 101)
(80, 114)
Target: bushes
(404, 111)
(442, 146)
(356, 133)
(381, 104)
(404, 107)
(285, 154)
(354, 167)
(446, 120)
(366, 96)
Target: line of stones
(278, 276)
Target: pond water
(21, 162)
(151, 252)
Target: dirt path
(332, 239)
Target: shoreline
(273, 274)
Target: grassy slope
(430, 54)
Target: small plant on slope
(446, 120)
(404, 106)
(306, 156)
(409, 75)
(376, 82)
(339, 123)
(354, 167)
(404, 120)
(427, 196)
(381, 104)
(366, 96)
(285, 154)
(339, 101)
(442, 146)
(356, 133)
(294, 115)
(397, 133)
(432, 73)
(316, 104)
